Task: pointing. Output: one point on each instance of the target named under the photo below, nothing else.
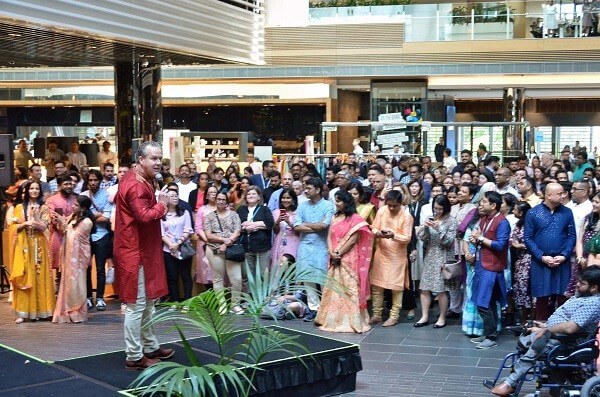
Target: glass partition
(456, 21)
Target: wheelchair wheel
(591, 387)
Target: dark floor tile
(399, 368)
(459, 370)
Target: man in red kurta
(139, 267)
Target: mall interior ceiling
(29, 46)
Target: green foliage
(207, 312)
(490, 13)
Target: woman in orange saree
(350, 242)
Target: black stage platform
(330, 369)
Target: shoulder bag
(451, 269)
(187, 249)
(235, 252)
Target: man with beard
(580, 314)
(60, 206)
(489, 288)
(101, 240)
(59, 169)
(286, 183)
(139, 264)
(274, 185)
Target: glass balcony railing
(452, 22)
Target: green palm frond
(265, 340)
(168, 378)
(208, 313)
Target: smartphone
(59, 211)
(282, 212)
(431, 219)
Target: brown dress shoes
(161, 354)
(141, 364)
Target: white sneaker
(100, 304)
(487, 344)
(479, 339)
(90, 305)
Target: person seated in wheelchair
(579, 315)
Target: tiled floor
(397, 361)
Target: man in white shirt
(342, 180)
(449, 162)
(503, 186)
(185, 184)
(53, 154)
(252, 163)
(106, 155)
(76, 158)
(580, 203)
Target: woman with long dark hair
(349, 241)
(176, 229)
(587, 248)
(203, 273)
(75, 258)
(521, 294)
(416, 202)
(31, 275)
(235, 193)
(285, 240)
(361, 197)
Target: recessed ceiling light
(14, 35)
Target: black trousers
(101, 250)
(177, 268)
(489, 315)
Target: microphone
(159, 180)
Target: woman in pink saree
(350, 241)
(75, 257)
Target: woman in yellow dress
(361, 198)
(31, 275)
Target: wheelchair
(567, 368)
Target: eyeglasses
(222, 200)
(578, 188)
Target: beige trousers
(234, 274)
(377, 299)
(139, 339)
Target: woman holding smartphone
(438, 233)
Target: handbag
(110, 275)
(187, 250)
(451, 270)
(235, 252)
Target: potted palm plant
(207, 312)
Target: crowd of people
(387, 229)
